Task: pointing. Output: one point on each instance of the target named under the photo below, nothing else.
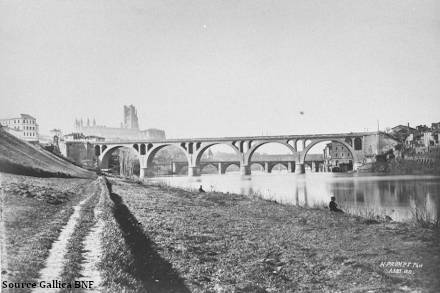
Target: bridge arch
(206, 165)
(251, 151)
(107, 151)
(272, 166)
(315, 142)
(156, 148)
(205, 147)
(257, 163)
(227, 165)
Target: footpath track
(74, 256)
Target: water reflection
(398, 197)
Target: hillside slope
(20, 157)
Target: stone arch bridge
(244, 147)
(266, 165)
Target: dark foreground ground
(160, 239)
(216, 242)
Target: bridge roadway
(244, 147)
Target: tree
(127, 161)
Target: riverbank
(403, 167)
(215, 242)
(144, 238)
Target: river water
(399, 197)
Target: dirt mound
(23, 158)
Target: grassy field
(173, 240)
(33, 212)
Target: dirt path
(56, 262)
(93, 249)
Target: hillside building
(24, 127)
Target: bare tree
(127, 160)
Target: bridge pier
(245, 170)
(290, 167)
(146, 172)
(317, 166)
(193, 171)
(142, 172)
(300, 168)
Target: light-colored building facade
(129, 128)
(78, 145)
(24, 127)
(114, 133)
(430, 139)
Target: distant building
(129, 128)
(401, 132)
(79, 148)
(430, 139)
(56, 135)
(336, 155)
(130, 117)
(56, 132)
(418, 138)
(422, 128)
(24, 127)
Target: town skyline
(44, 130)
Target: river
(399, 197)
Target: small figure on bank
(334, 206)
(201, 189)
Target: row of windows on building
(18, 121)
(29, 133)
(24, 127)
(342, 155)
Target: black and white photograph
(220, 146)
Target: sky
(222, 68)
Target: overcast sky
(222, 68)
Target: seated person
(334, 206)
